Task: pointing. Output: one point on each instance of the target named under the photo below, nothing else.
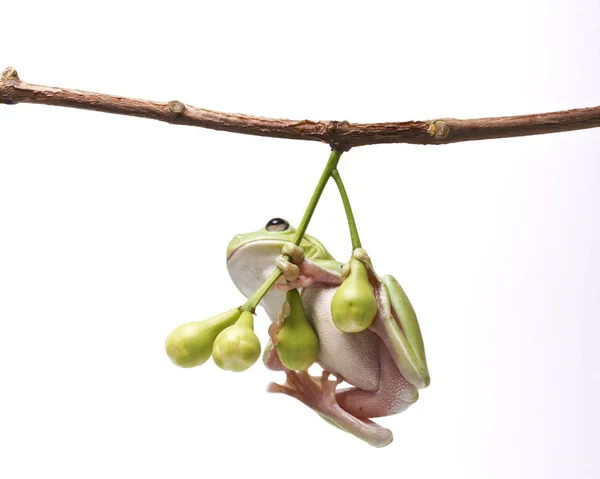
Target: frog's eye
(277, 224)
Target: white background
(113, 232)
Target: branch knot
(333, 134)
(439, 129)
(176, 107)
(9, 73)
(7, 80)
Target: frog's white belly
(355, 356)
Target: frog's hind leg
(320, 395)
(395, 393)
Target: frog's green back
(314, 249)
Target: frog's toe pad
(320, 395)
(295, 252)
(289, 270)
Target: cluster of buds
(229, 337)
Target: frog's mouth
(234, 245)
(238, 243)
(311, 246)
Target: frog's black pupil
(277, 224)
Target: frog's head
(276, 230)
(272, 237)
(251, 258)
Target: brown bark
(339, 134)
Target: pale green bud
(298, 344)
(354, 306)
(191, 344)
(237, 347)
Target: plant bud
(354, 306)
(298, 344)
(237, 348)
(191, 344)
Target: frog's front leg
(300, 272)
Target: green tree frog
(385, 365)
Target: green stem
(330, 167)
(348, 209)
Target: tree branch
(339, 134)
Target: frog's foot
(320, 395)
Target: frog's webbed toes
(319, 393)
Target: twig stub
(10, 73)
(439, 129)
(176, 107)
